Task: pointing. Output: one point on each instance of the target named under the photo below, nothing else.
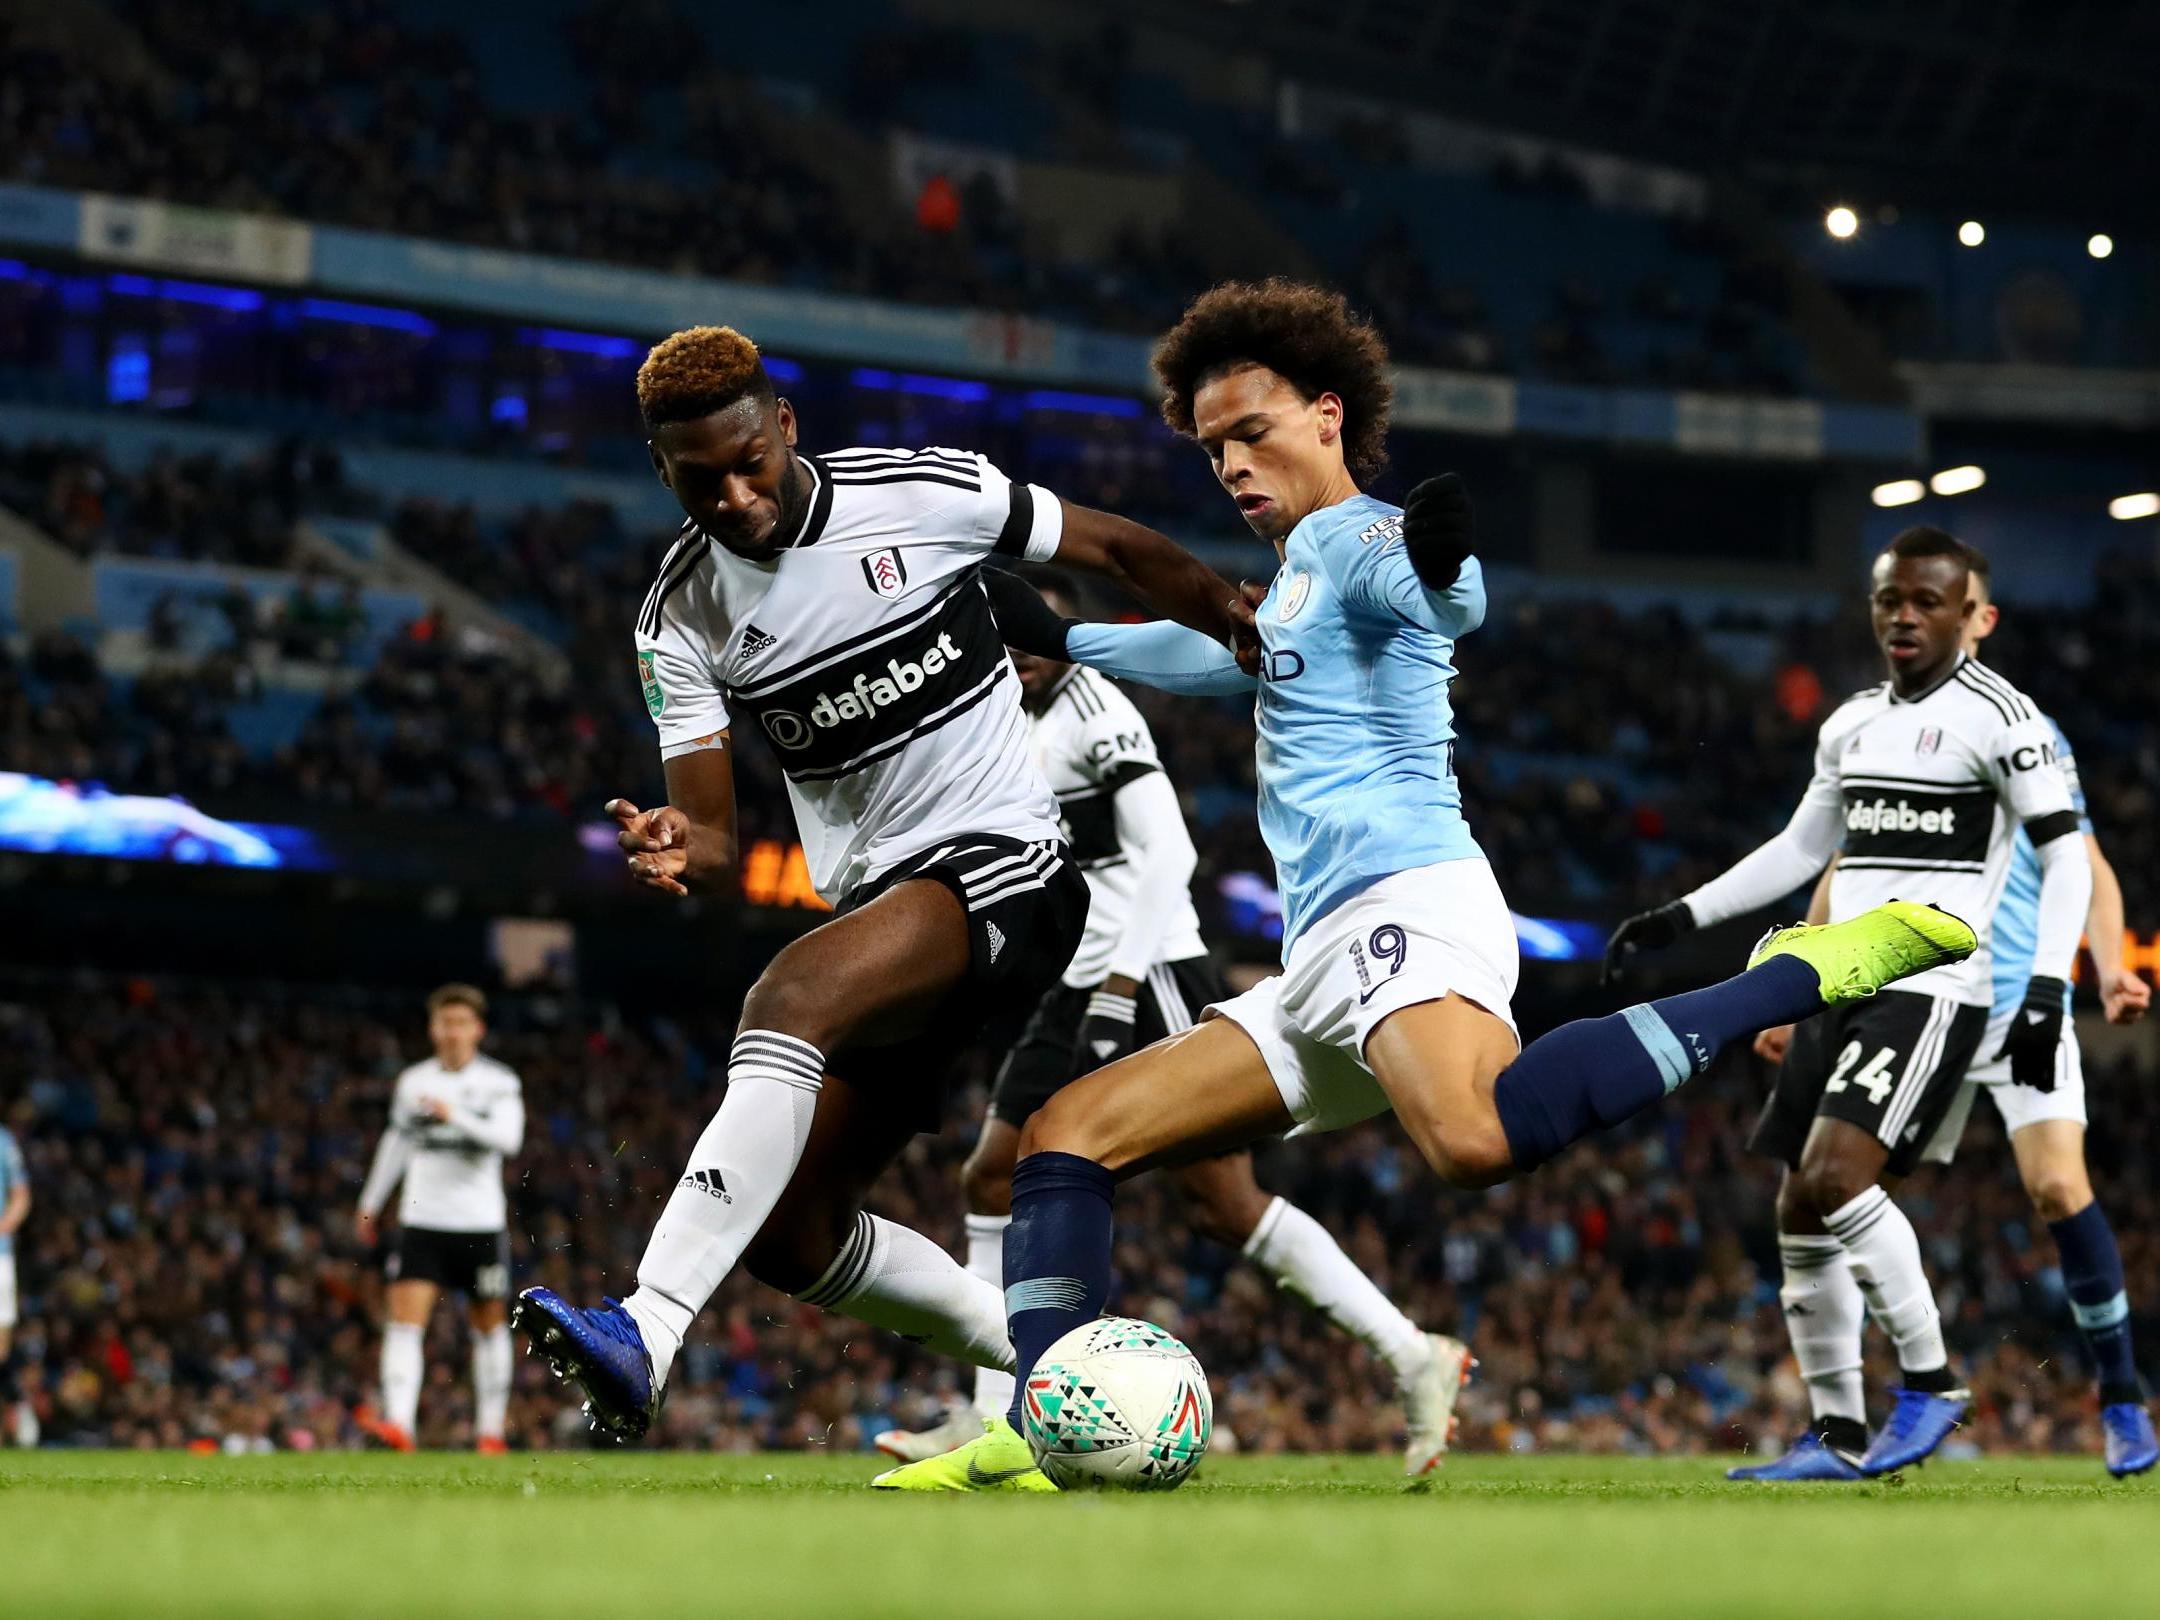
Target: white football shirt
(1090, 741)
(452, 1169)
(866, 654)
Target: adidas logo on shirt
(755, 641)
(997, 939)
(709, 1181)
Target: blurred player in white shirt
(454, 1119)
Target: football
(1118, 1404)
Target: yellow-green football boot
(998, 1459)
(1856, 958)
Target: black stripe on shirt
(2056, 824)
(953, 482)
(1019, 522)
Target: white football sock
(491, 1382)
(740, 1166)
(1298, 1252)
(895, 1278)
(401, 1373)
(1885, 1254)
(986, 1259)
(1825, 1316)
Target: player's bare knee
(1827, 1182)
(1465, 1153)
(787, 1002)
(1061, 1126)
(2059, 1192)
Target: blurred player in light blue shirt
(14, 1206)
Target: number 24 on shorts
(1875, 1079)
(1388, 944)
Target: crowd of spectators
(666, 155)
(190, 1274)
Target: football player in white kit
(832, 602)
(1921, 787)
(2046, 1127)
(454, 1119)
(1143, 973)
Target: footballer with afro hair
(1286, 388)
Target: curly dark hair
(697, 371)
(1309, 336)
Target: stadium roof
(2039, 104)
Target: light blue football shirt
(1356, 753)
(2016, 937)
(13, 1173)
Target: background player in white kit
(454, 1119)
(2046, 1127)
(1923, 782)
(14, 1210)
(1142, 973)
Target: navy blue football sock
(1595, 1072)
(1057, 1255)
(2093, 1275)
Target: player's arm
(499, 1127)
(2036, 790)
(1161, 654)
(1769, 873)
(1154, 568)
(1425, 576)
(392, 1155)
(686, 846)
(17, 1209)
(1151, 830)
(2124, 996)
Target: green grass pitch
(649, 1534)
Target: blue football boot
(2132, 1447)
(602, 1352)
(1810, 1458)
(1919, 1422)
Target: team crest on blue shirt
(1292, 601)
(1383, 530)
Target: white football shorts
(2018, 1105)
(7, 1290)
(1413, 936)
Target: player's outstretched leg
(1586, 1076)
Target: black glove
(1024, 619)
(1439, 530)
(1106, 1033)
(1646, 930)
(2035, 1033)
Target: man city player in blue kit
(1399, 956)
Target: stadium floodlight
(1972, 233)
(2100, 244)
(1957, 480)
(1841, 222)
(1899, 492)
(2129, 508)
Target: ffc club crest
(885, 571)
(1930, 740)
